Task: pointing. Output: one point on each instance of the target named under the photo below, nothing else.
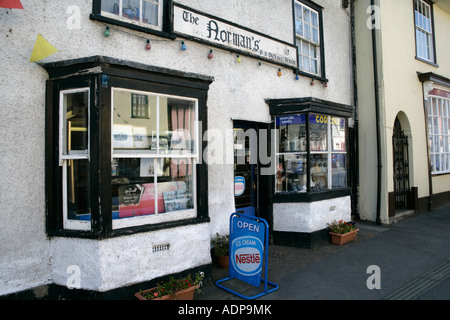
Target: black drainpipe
(355, 182)
(377, 117)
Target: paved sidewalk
(413, 256)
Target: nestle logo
(248, 258)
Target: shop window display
(153, 158)
(311, 153)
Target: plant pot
(341, 239)
(223, 261)
(186, 294)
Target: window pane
(298, 11)
(291, 173)
(78, 191)
(319, 172)
(150, 12)
(338, 170)
(75, 122)
(299, 27)
(130, 9)
(175, 185)
(318, 132)
(134, 189)
(291, 133)
(176, 126)
(111, 6)
(134, 132)
(314, 19)
(337, 133)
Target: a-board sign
(247, 249)
(249, 242)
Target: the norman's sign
(217, 32)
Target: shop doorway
(401, 166)
(251, 189)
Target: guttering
(377, 116)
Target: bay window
(123, 148)
(324, 162)
(311, 148)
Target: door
(251, 189)
(245, 169)
(401, 166)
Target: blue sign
(247, 249)
(239, 186)
(249, 241)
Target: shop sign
(247, 249)
(239, 186)
(249, 252)
(229, 36)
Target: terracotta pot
(186, 294)
(341, 239)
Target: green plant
(341, 226)
(174, 285)
(221, 245)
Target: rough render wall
(238, 92)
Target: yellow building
(403, 114)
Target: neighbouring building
(403, 114)
(139, 126)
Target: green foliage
(221, 245)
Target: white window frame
(193, 156)
(439, 133)
(140, 22)
(70, 224)
(424, 38)
(302, 41)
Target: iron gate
(401, 166)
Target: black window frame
(295, 106)
(102, 73)
(322, 75)
(167, 17)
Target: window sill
(310, 75)
(437, 174)
(427, 62)
(158, 33)
(126, 231)
(311, 196)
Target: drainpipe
(355, 103)
(377, 117)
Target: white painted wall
(27, 257)
(310, 217)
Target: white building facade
(127, 148)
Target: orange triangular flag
(42, 49)
(11, 4)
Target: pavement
(406, 260)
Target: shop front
(311, 186)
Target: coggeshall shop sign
(217, 32)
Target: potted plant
(342, 232)
(174, 289)
(221, 250)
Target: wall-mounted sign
(229, 36)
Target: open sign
(247, 249)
